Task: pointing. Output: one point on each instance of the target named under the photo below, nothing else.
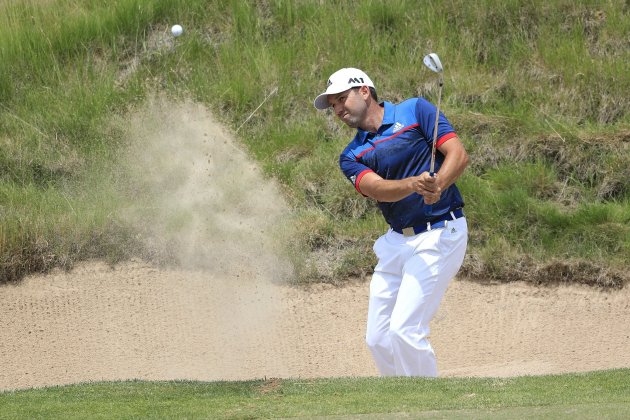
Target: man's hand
(427, 186)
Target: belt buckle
(408, 231)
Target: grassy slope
(537, 91)
(600, 394)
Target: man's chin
(352, 123)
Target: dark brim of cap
(321, 102)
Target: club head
(432, 61)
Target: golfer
(388, 160)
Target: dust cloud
(198, 199)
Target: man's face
(350, 106)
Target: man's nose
(338, 109)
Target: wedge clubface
(432, 61)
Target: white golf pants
(407, 286)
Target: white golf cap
(340, 81)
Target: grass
(536, 90)
(602, 394)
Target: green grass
(537, 91)
(601, 394)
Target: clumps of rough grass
(595, 162)
(320, 254)
(601, 162)
(554, 272)
(33, 256)
(335, 263)
(112, 243)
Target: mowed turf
(604, 394)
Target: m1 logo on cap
(355, 80)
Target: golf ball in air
(177, 30)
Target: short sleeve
(425, 115)
(353, 169)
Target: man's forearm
(386, 190)
(452, 168)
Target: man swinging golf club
(391, 159)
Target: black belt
(433, 224)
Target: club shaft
(435, 129)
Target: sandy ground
(225, 315)
(134, 321)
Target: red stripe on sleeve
(445, 137)
(356, 183)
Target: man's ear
(365, 92)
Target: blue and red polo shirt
(399, 149)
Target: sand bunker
(137, 322)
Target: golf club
(432, 61)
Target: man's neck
(374, 118)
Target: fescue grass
(599, 394)
(537, 91)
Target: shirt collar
(390, 113)
(388, 119)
